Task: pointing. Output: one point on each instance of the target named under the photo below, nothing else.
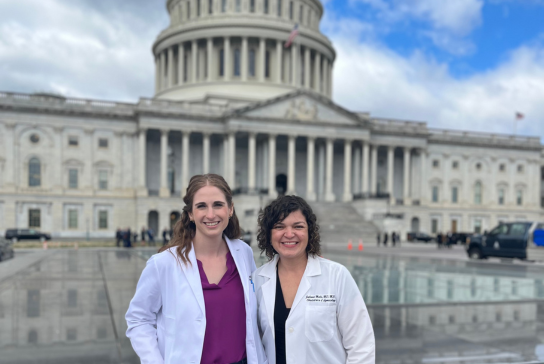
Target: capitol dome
(234, 51)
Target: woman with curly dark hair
(310, 309)
(195, 302)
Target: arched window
(478, 193)
(34, 172)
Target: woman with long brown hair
(195, 301)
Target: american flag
(519, 116)
(292, 36)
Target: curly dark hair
(276, 212)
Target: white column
(272, 166)
(324, 72)
(232, 160)
(366, 168)
(310, 153)
(279, 61)
(406, 184)
(262, 56)
(347, 196)
(294, 60)
(390, 167)
(162, 80)
(244, 59)
(194, 57)
(329, 77)
(142, 149)
(157, 74)
(227, 60)
(307, 69)
(181, 63)
(374, 170)
(317, 72)
(184, 162)
(291, 151)
(171, 66)
(423, 178)
(209, 58)
(9, 175)
(252, 143)
(329, 195)
(164, 191)
(226, 157)
(205, 153)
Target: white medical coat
(167, 317)
(328, 322)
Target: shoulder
(164, 259)
(242, 247)
(331, 268)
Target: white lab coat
(167, 318)
(328, 322)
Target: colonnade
(243, 59)
(361, 169)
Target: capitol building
(234, 97)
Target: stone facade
(74, 167)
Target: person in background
(439, 238)
(150, 235)
(385, 238)
(394, 238)
(142, 235)
(195, 301)
(310, 309)
(118, 237)
(378, 238)
(164, 236)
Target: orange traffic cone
(350, 245)
(45, 245)
(360, 245)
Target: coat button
(291, 329)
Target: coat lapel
(313, 268)
(241, 266)
(193, 277)
(269, 290)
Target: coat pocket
(320, 323)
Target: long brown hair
(185, 229)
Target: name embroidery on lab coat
(321, 298)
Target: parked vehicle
(246, 237)
(26, 234)
(508, 240)
(6, 249)
(460, 238)
(418, 236)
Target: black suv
(417, 236)
(23, 234)
(508, 240)
(6, 249)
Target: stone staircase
(340, 222)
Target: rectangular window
(502, 168)
(450, 290)
(454, 192)
(519, 197)
(73, 178)
(436, 163)
(73, 141)
(188, 10)
(71, 334)
(455, 165)
(434, 226)
(223, 6)
(102, 143)
(265, 7)
(34, 218)
(251, 6)
(435, 194)
(72, 298)
(309, 17)
(221, 62)
(72, 219)
(301, 14)
(102, 180)
(238, 6)
(102, 219)
(252, 63)
(236, 62)
(501, 196)
(197, 7)
(210, 6)
(33, 303)
(291, 9)
(520, 168)
(279, 7)
(478, 226)
(267, 64)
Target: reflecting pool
(65, 306)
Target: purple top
(225, 338)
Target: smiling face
(290, 236)
(211, 213)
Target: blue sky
(455, 64)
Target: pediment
(302, 107)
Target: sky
(454, 64)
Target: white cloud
(368, 77)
